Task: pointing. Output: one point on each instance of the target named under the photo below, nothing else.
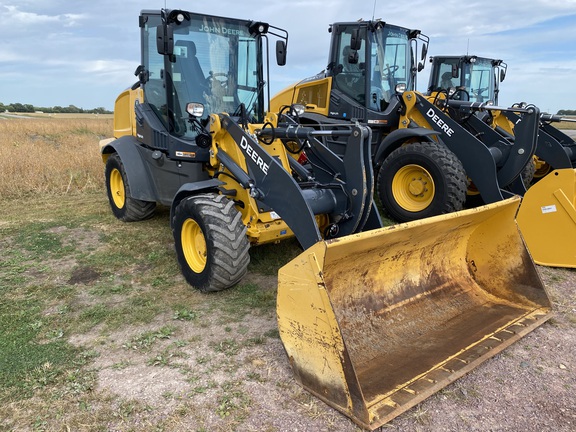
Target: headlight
(195, 109)
(298, 109)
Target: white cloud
(118, 71)
(16, 18)
(97, 41)
(10, 55)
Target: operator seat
(446, 82)
(189, 67)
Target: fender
(140, 185)
(395, 138)
(189, 189)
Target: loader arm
(553, 152)
(567, 142)
(341, 189)
(517, 152)
(551, 145)
(510, 161)
(561, 137)
(479, 161)
(354, 170)
(514, 152)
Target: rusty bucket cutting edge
(374, 323)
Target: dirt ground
(530, 386)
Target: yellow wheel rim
(117, 188)
(413, 188)
(472, 189)
(542, 168)
(194, 245)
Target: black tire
(420, 180)
(528, 173)
(123, 206)
(211, 242)
(474, 199)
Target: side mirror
(165, 41)
(400, 88)
(355, 41)
(281, 53)
(455, 71)
(424, 52)
(142, 75)
(502, 75)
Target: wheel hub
(413, 188)
(417, 186)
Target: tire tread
(227, 234)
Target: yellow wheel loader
(478, 79)
(423, 158)
(547, 217)
(373, 319)
(427, 159)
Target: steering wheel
(221, 77)
(390, 70)
(479, 91)
(459, 92)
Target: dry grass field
(99, 331)
(58, 153)
(51, 154)
(566, 125)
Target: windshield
(376, 67)
(390, 62)
(474, 76)
(479, 81)
(216, 62)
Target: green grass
(26, 363)
(75, 270)
(147, 339)
(267, 258)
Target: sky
(84, 52)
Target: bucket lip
(384, 409)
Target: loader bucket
(547, 219)
(375, 322)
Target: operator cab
(211, 61)
(471, 78)
(370, 62)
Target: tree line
(70, 109)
